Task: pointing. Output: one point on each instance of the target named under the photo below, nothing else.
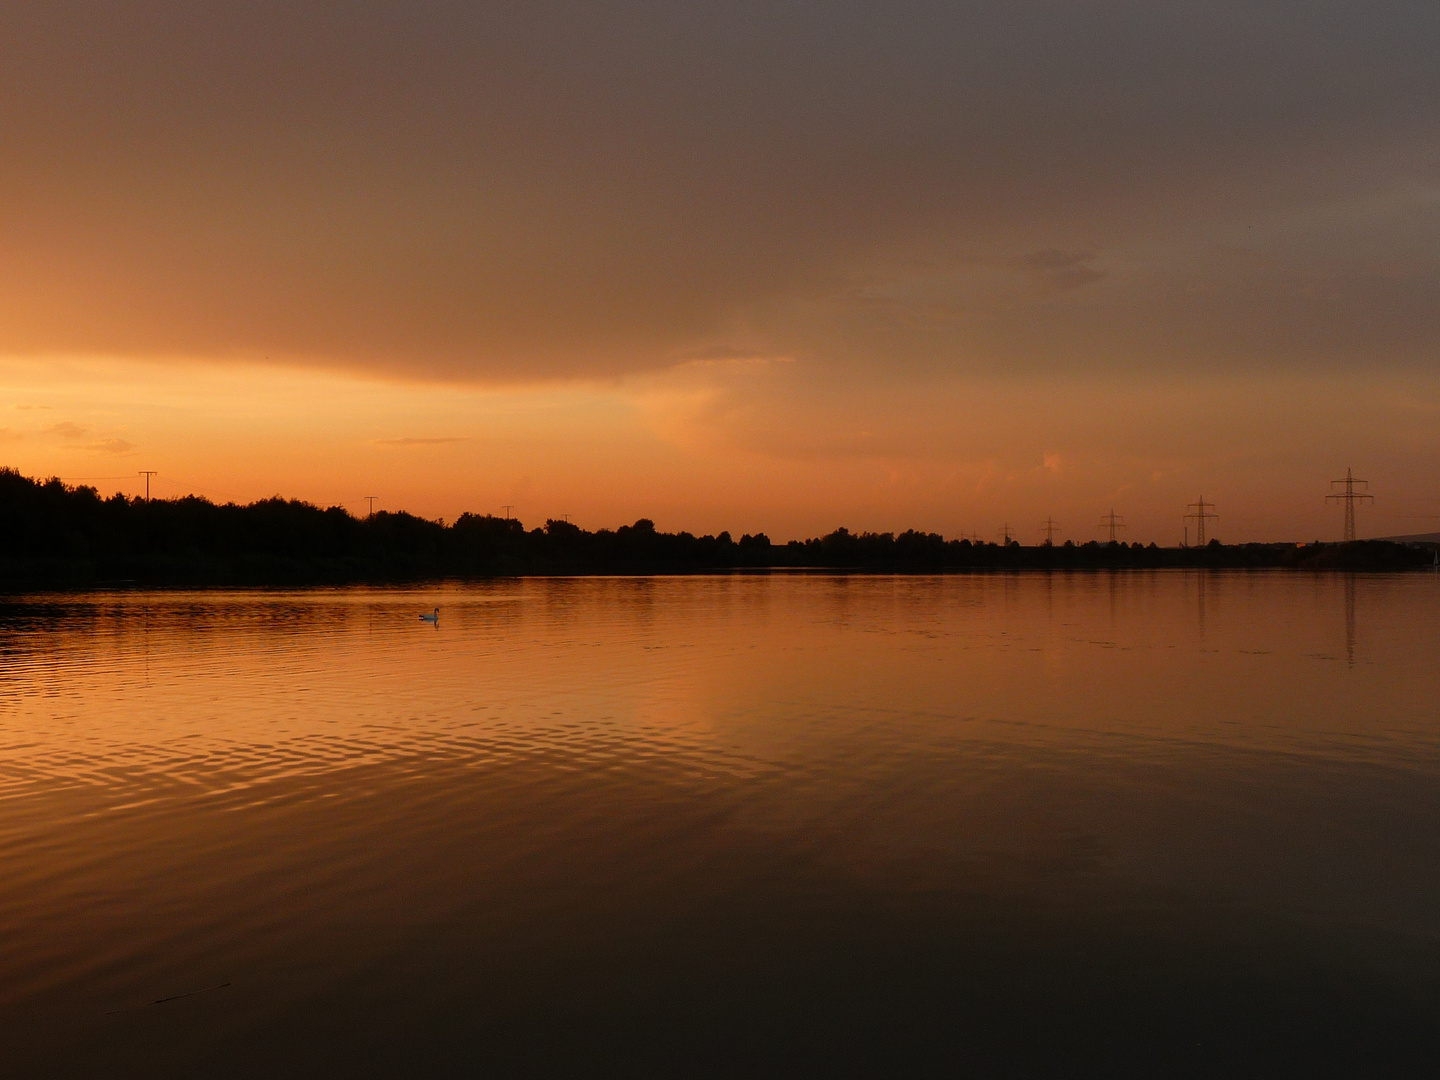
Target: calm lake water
(1133, 824)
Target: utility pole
(371, 499)
(1048, 528)
(147, 473)
(1200, 517)
(1349, 494)
(1112, 521)
(507, 507)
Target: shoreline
(1358, 557)
(53, 536)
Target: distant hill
(1414, 538)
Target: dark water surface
(1135, 824)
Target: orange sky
(941, 266)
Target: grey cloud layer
(517, 191)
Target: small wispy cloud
(944, 313)
(1060, 271)
(716, 352)
(433, 441)
(111, 446)
(728, 354)
(66, 430)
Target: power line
(371, 499)
(1200, 517)
(147, 473)
(1350, 495)
(190, 487)
(1112, 521)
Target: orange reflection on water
(340, 811)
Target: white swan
(435, 618)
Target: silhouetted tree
(55, 535)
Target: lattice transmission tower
(1350, 494)
(1112, 521)
(1048, 527)
(1200, 516)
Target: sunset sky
(745, 266)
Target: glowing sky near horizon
(777, 266)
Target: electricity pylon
(1005, 534)
(1048, 528)
(1200, 516)
(1349, 494)
(1112, 521)
(370, 499)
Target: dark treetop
(53, 535)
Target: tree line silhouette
(56, 535)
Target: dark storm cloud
(546, 189)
